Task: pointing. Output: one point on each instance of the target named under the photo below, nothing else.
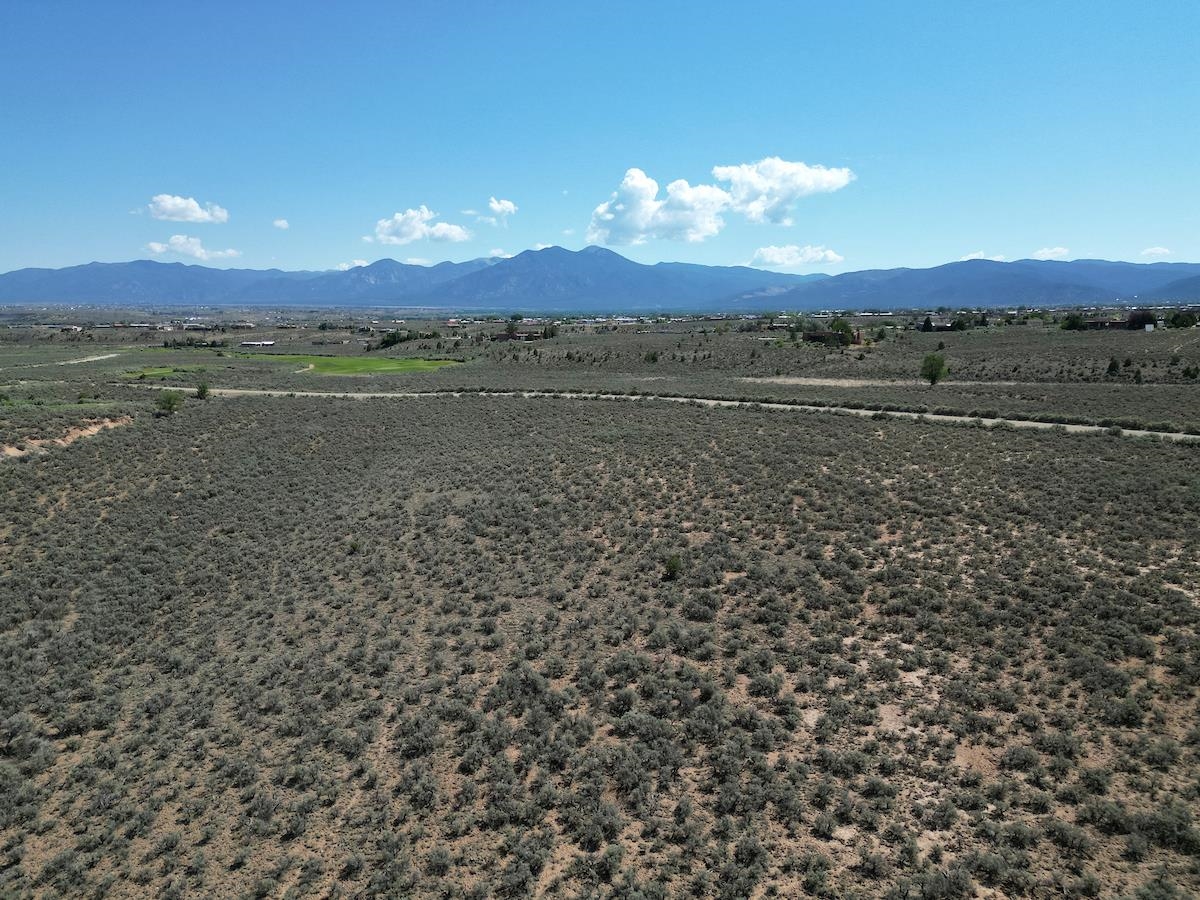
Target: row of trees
(1137, 320)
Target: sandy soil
(39, 445)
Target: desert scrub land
(1002, 371)
(491, 647)
(46, 411)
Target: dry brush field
(494, 647)
(1003, 371)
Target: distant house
(257, 344)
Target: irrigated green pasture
(354, 365)
(307, 363)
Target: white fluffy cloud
(1156, 251)
(502, 209)
(766, 190)
(791, 255)
(979, 254)
(501, 254)
(763, 191)
(635, 213)
(189, 246)
(415, 225)
(1051, 253)
(355, 264)
(282, 224)
(171, 208)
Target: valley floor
(494, 647)
(606, 615)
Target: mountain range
(598, 280)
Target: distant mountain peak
(597, 279)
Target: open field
(620, 451)
(506, 646)
(467, 661)
(319, 365)
(718, 403)
(357, 365)
(1026, 372)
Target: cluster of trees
(962, 322)
(402, 336)
(1182, 318)
(1137, 320)
(193, 342)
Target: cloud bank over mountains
(763, 192)
(790, 255)
(190, 246)
(766, 192)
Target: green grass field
(354, 365)
(319, 365)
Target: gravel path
(712, 402)
(71, 362)
(65, 362)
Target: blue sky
(893, 133)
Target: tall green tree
(168, 402)
(841, 328)
(933, 368)
(1072, 322)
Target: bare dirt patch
(88, 359)
(41, 445)
(976, 758)
(865, 382)
(890, 718)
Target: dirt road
(713, 402)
